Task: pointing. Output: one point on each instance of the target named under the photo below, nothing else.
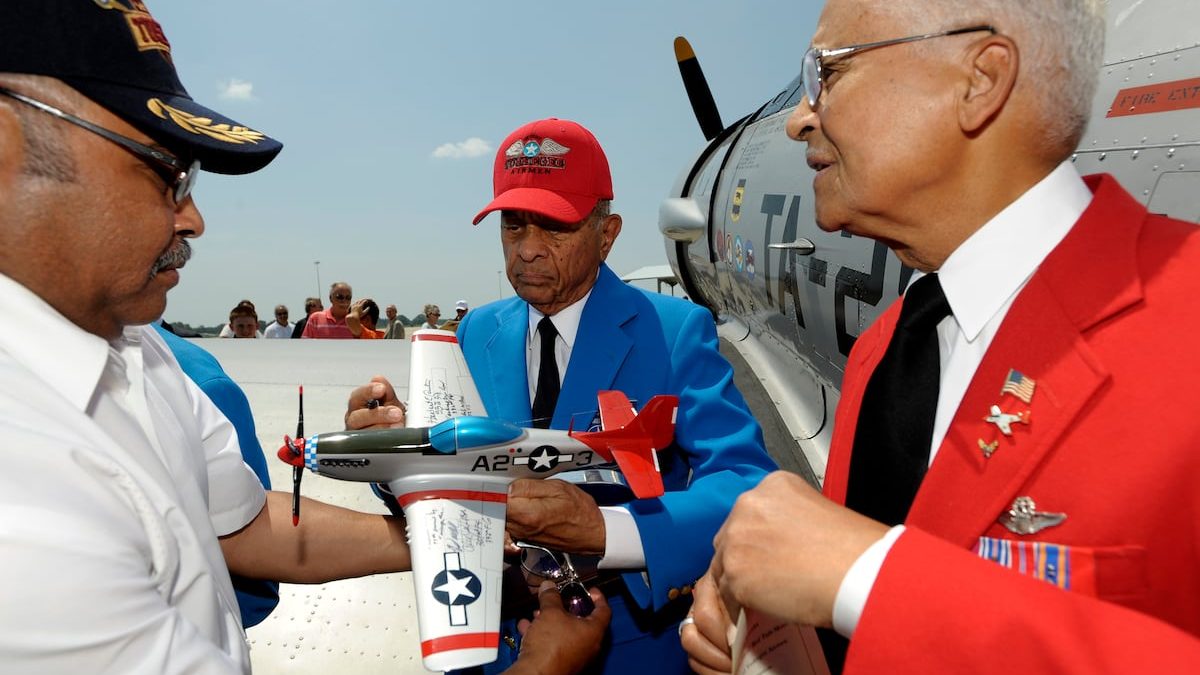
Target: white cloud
(236, 90)
(472, 147)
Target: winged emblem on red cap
(531, 148)
(551, 147)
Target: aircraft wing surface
(456, 535)
(439, 382)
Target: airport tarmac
(367, 625)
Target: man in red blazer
(1057, 528)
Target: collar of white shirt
(566, 321)
(64, 356)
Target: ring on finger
(689, 619)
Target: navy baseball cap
(116, 54)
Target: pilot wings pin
(1024, 518)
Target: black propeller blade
(698, 92)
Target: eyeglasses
(341, 297)
(811, 69)
(544, 563)
(179, 176)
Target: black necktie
(895, 424)
(546, 396)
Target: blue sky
(364, 94)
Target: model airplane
(792, 299)
(451, 478)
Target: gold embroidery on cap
(147, 33)
(204, 125)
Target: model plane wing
(439, 383)
(456, 535)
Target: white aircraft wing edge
(439, 383)
(456, 535)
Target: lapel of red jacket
(1088, 278)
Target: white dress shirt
(119, 476)
(981, 279)
(622, 542)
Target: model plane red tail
(633, 440)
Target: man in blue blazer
(553, 189)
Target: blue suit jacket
(643, 344)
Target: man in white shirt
(280, 328)
(124, 505)
(1041, 503)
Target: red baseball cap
(552, 167)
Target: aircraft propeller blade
(698, 92)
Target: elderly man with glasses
(1016, 438)
(330, 323)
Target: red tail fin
(657, 421)
(633, 445)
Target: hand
(707, 640)
(389, 413)
(555, 514)
(558, 642)
(785, 549)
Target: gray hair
(46, 155)
(1062, 49)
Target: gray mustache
(177, 256)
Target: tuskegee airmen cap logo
(530, 155)
(552, 167)
(147, 34)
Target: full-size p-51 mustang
(450, 473)
(792, 299)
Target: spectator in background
(310, 305)
(330, 324)
(362, 319)
(460, 310)
(227, 330)
(243, 321)
(279, 328)
(395, 329)
(432, 314)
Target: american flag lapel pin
(1018, 385)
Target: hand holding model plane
(463, 482)
(554, 513)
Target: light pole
(317, 267)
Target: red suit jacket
(1107, 329)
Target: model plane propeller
(451, 477)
